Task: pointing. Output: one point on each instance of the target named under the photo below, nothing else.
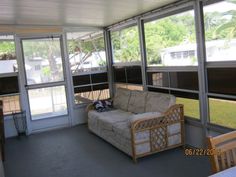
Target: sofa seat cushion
(121, 99)
(137, 101)
(158, 102)
(107, 120)
(114, 122)
(113, 116)
(113, 127)
(122, 129)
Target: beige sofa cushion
(109, 118)
(158, 102)
(121, 99)
(137, 101)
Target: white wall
(194, 136)
(9, 126)
(79, 117)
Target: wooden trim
(10, 29)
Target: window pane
(222, 80)
(190, 102)
(86, 51)
(220, 31)
(101, 92)
(129, 86)
(86, 95)
(99, 77)
(43, 62)
(83, 97)
(81, 80)
(100, 87)
(94, 91)
(83, 89)
(125, 45)
(183, 94)
(9, 85)
(83, 94)
(47, 102)
(8, 62)
(184, 80)
(158, 90)
(158, 79)
(10, 104)
(88, 65)
(223, 112)
(119, 74)
(134, 74)
(128, 74)
(171, 41)
(181, 80)
(191, 107)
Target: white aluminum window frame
(12, 74)
(70, 74)
(44, 85)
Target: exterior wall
(217, 50)
(6, 66)
(194, 136)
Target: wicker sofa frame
(158, 130)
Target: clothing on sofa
(102, 105)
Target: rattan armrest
(146, 123)
(89, 107)
(173, 115)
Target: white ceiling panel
(98, 13)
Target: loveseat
(141, 122)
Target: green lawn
(222, 112)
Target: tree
(48, 50)
(125, 45)
(228, 26)
(7, 50)
(85, 48)
(168, 32)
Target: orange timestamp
(201, 152)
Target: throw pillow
(102, 105)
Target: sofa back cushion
(137, 101)
(158, 102)
(121, 99)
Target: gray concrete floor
(75, 152)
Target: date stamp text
(201, 152)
